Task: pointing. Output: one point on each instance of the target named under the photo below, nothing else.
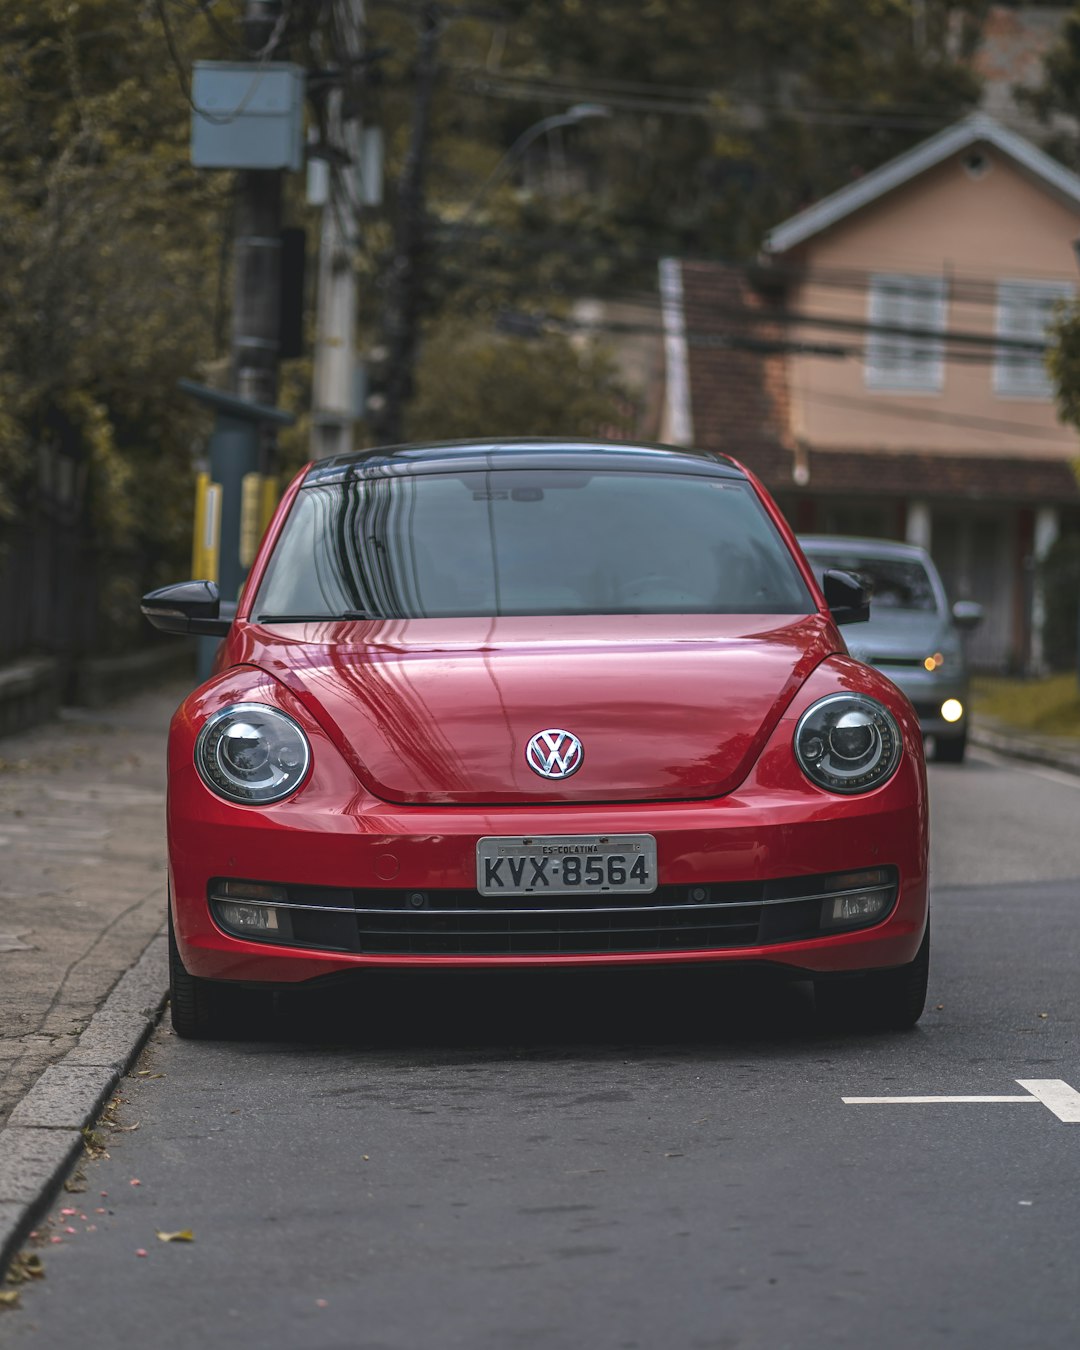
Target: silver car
(912, 635)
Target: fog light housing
(864, 898)
(249, 908)
(952, 710)
(247, 918)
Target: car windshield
(530, 541)
(897, 583)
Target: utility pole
(257, 252)
(333, 383)
(246, 117)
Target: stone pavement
(82, 872)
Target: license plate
(567, 864)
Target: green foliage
(472, 383)
(1059, 574)
(1063, 362)
(1059, 92)
(110, 244)
(726, 118)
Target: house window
(897, 358)
(1025, 310)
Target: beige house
(882, 367)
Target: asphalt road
(629, 1163)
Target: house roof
(973, 130)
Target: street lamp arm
(579, 113)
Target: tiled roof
(917, 473)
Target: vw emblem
(554, 753)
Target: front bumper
(733, 842)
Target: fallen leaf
(134, 1182)
(1044, 1016)
(182, 1235)
(140, 1251)
(9, 1298)
(66, 1212)
(25, 1266)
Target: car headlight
(847, 743)
(250, 752)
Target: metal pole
(334, 376)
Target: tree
(1057, 103)
(726, 118)
(111, 245)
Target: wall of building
(975, 228)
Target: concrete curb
(1019, 747)
(43, 1136)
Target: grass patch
(1049, 706)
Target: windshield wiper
(317, 618)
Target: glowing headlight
(250, 752)
(847, 743)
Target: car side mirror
(848, 598)
(967, 614)
(189, 607)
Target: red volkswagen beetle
(540, 703)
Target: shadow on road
(549, 1014)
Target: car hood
(900, 635)
(441, 710)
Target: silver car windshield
(530, 541)
(896, 583)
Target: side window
(1025, 310)
(903, 351)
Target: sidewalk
(1055, 752)
(82, 872)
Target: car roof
(519, 453)
(866, 548)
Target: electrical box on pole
(247, 115)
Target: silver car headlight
(847, 743)
(252, 753)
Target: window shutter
(1025, 310)
(895, 360)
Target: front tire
(206, 1010)
(950, 749)
(883, 1000)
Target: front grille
(464, 923)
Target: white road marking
(905, 1101)
(1062, 1099)
(1054, 1093)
